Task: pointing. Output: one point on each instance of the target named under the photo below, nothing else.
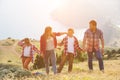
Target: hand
(22, 40)
(39, 54)
(102, 51)
(75, 56)
(59, 48)
(59, 44)
(84, 50)
(42, 55)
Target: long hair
(48, 32)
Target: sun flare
(57, 3)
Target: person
(71, 46)
(91, 40)
(48, 43)
(27, 52)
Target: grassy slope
(80, 70)
(8, 52)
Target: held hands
(42, 54)
(59, 44)
(84, 50)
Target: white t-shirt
(27, 51)
(70, 44)
(50, 44)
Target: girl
(27, 52)
(48, 43)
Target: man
(91, 40)
(71, 45)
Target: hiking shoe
(102, 71)
(90, 70)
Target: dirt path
(8, 53)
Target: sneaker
(102, 71)
(69, 71)
(90, 70)
(58, 72)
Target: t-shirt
(70, 44)
(27, 51)
(50, 44)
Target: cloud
(78, 13)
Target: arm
(84, 41)
(61, 43)
(77, 45)
(36, 50)
(41, 44)
(102, 42)
(59, 33)
(21, 43)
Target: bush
(9, 38)
(13, 40)
(9, 42)
(81, 56)
(113, 51)
(118, 51)
(39, 62)
(6, 44)
(12, 71)
(58, 59)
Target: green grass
(80, 69)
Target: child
(27, 52)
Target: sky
(28, 18)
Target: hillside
(10, 58)
(8, 51)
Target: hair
(93, 22)
(48, 30)
(27, 41)
(70, 29)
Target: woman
(48, 43)
(27, 53)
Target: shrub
(118, 51)
(81, 56)
(12, 71)
(9, 38)
(39, 62)
(113, 51)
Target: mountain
(111, 34)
